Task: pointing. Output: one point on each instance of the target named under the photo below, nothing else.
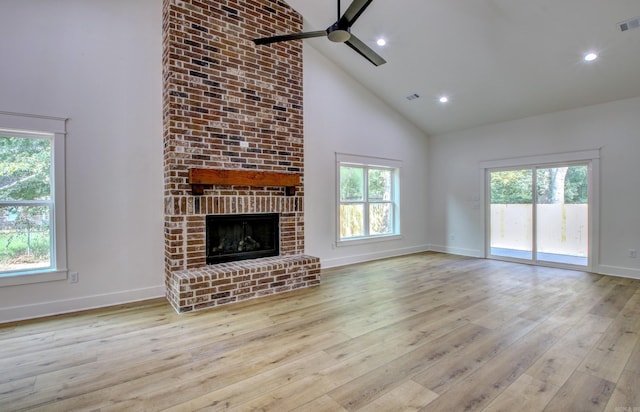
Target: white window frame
(343, 159)
(22, 125)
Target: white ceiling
(497, 60)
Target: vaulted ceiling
(496, 60)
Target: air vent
(633, 23)
(413, 96)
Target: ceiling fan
(339, 32)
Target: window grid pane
(25, 168)
(351, 183)
(352, 220)
(25, 237)
(380, 219)
(379, 187)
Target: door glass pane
(25, 238)
(562, 215)
(511, 197)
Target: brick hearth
(231, 105)
(224, 283)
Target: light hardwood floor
(426, 332)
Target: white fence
(562, 228)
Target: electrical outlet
(633, 253)
(74, 277)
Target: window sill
(25, 278)
(367, 240)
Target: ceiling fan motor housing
(337, 34)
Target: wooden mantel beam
(198, 178)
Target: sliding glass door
(540, 214)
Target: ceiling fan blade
(286, 37)
(364, 50)
(354, 11)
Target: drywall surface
(98, 64)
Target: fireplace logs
(239, 237)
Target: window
(368, 198)
(32, 221)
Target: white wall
(455, 182)
(342, 116)
(99, 64)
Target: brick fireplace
(232, 108)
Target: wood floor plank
(609, 358)
(188, 396)
(450, 370)
(525, 394)
(290, 397)
(408, 397)
(582, 392)
(16, 389)
(633, 364)
(431, 323)
(204, 373)
(480, 388)
(321, 404)
(557, 364)
(89, 382)
(613, 302)
(626, 395)
(368, 387)
(427, 331)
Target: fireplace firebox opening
(239, 237)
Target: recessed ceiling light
(589, 57)
(381, 42)
(443, 99)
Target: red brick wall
(229, 104)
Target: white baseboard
(618, 271)
(457, 251)
(350, 260)
(57, 307)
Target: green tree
(554, 185)
(550, 184)
(511, 186)
(25, 168)
(351, 183)
(576, 185)
(379, 184)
